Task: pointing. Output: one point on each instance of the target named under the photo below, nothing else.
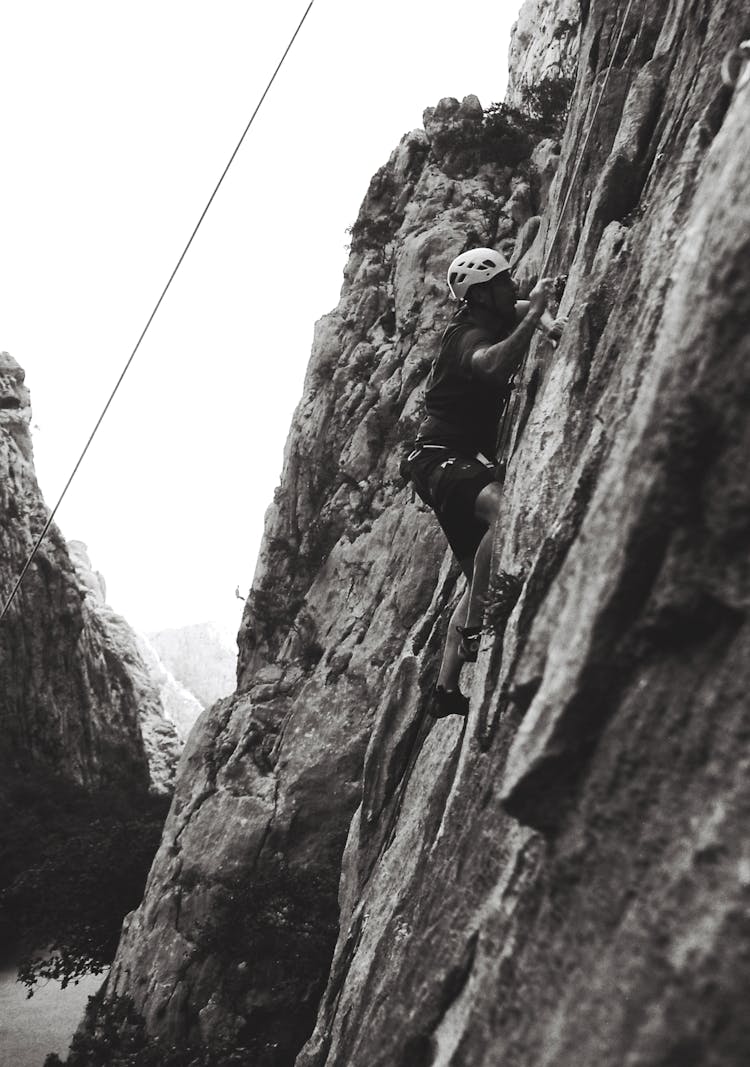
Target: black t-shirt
(463, 411)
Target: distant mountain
(181, 707)
(202, 657)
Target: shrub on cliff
(369, 233)
(546, 103)
(506, 135)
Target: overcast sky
(117, 120)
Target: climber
(452, 465)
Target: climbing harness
(125, 369)
(735, 69)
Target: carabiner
(735, 69)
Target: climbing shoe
(449, 702)
(469, 646)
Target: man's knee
(488, 503)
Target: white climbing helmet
(472, 267)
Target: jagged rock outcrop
(74, 696)
(202, 657)
(563, 881)
(543, 47)
(161, 734)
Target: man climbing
(453, 463)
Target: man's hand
(541, 294)
(555, 328)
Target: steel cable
(125, 369)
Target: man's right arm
(499, 362)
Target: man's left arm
(548, 325)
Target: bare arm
(498, 362)
(547, 322)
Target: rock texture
(75, 698)
(234, 937)
(564, 879)
(543, 46)
(160, 722)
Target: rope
(125, 369)
(511, 411)
(586, 141)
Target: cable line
(125, 369)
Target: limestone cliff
(271, 777)
(543, 48)
(75, 697)
(563, 879)
(162, 715)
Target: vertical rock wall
(544, 46)
(563, 880)
(75, 697)
(235, 934)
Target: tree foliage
(72, 865)
(546, 103)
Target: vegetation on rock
(72, 865)
(506, 135)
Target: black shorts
(450, 484)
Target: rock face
(75, 698)
(239, 920)
(543, 46)
(159, 722)
(563, 879)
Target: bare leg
(480, 582)
(487, 507)
(450, 668)
(468, 612)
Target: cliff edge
(76, 700)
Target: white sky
(117, 120)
